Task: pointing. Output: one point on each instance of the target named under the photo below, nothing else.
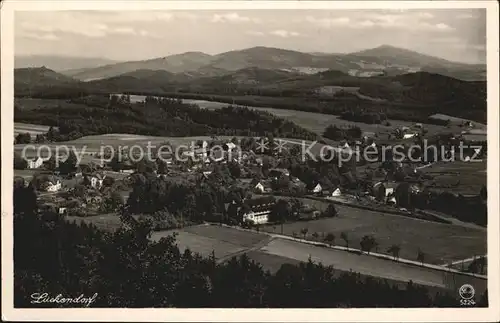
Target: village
(96, 187)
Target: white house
(229, 146)
(317, 188)
(259, 188)
(259, 210)
(35, 163)
(53, 187)
(336, 192)
(95, 180)
(257, 217)
(408, 135)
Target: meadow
(441, 243)
(458, 177)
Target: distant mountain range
(59, 63)
(386, 60)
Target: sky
(453, 34)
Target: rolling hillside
(59, 63)
(190, 61)
(197, 64)
(40, 76)
(412, 95)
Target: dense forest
(91, 115)
(126, 269)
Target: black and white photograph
(250, 155)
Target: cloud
(425, 15)
(233, 18)
(328, 22)
(438, 27)
(403, 20)
(466, 16)
(284, 33)
(254, 33)
(64, 25)
(45, 36)
(124, 31)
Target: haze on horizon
(454, 34)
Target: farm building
(382, 191)
(258, 210)
(259, 188)
(94, 180)
(52, 186)
(229, 146)
(317, 188)
(336, 192)
(409, 135)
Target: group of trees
(158, 117)
(463, 208)
(126, 269)
(335, 133)
(23, 138)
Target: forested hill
(156, 117)
(412, 96)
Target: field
(222, 241)
(108, 222)
(271, 253)
(313, 121)
(446, 177)
(440, 116)
(369, 266)
(32, 129)
(442, 243)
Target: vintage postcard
(250, 161)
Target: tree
(40, 138)
(296, 206)
(334, 133)
(330, 211)
(367, 243)
(162, 166)
(344, 236)
(420, 256)
(304, 232)
(69, 165)
(23, 138)
(280, 211)
(330, 239)
(234, 169)
(51, 163)
(394, 250)
(19, 162)
(53, 134)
